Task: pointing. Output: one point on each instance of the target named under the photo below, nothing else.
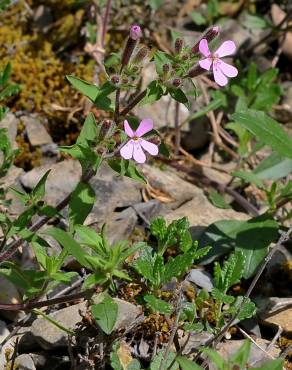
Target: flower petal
(227, 48)
(128, 129)
(228, 69)
(149, 147)
(219, 77)
(206, 63)
(138, 154)
(145, 126)
(204, 48)
(127, 150)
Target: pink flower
(135, 32)
(134, 147)
(220, 68)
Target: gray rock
(10, 122)
(36, 132)
(46, 361)
(257, 356)
(48, 335)
(24, 362)
(175, 190)
(62, 179)
(201, 213)
(42, 18)
(112, 191)
(8, 294)
(121, 225)
(201, 278)
(4, 332)
(196, 340)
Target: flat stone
(282, 318)
(121, 226)
(4, 332)
(24, 362)
(173, 188)
(62, 179)
(196, 340)
(256, 358)
(8, 294)
(200, 278)
(48, 335)
(112, 191)
(36, 132)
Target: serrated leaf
(155, 364)
(266, 130)
(144, 264)
(105, 314)
(158, 228)
(221, 297)
(232, 270)
(157, 305)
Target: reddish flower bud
(178, 45)
(196, 71)
(141, 55)
(135, 32)
(115, 79)
(209, 35)
(176, 82)
(166, 68)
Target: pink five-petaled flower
(220, 68)
(134, 147)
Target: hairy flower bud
(195, 71)
(209, 35)
(135, 32)
(115, 79)
(166, 68)
(176, 82)
(106, 129)
(178, 45)
(155, 140)
(141, 55)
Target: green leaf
(88, 236)
(94, 279)
(273, 167)
(186, 364)
(67, 242)
(81, 203)
(39, 190)
(6, 74)
(249, 177)
(247, 310)
(215, 357)
(105, 314)
(86, 88)
(276, 364)
(89, 130)
(9, 91)
(155, 4)
(161, 58)
(158, 228)
(255, 22)
(217, 200)
(126, 168)
(179, 96)
(154, 92)
(198, 18)
(266, 130)
(222, 297)
(157, 305)
(155, 364)
(252, 237)
(241, 356)
(144, 264)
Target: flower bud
(125, 80)
(166, 68)
(176, 82)
(135, 32)
(209, 35)
(141, 55)
(178, 45)
(154, 140)
(115, 79)
(195, 71)
(106, 129)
